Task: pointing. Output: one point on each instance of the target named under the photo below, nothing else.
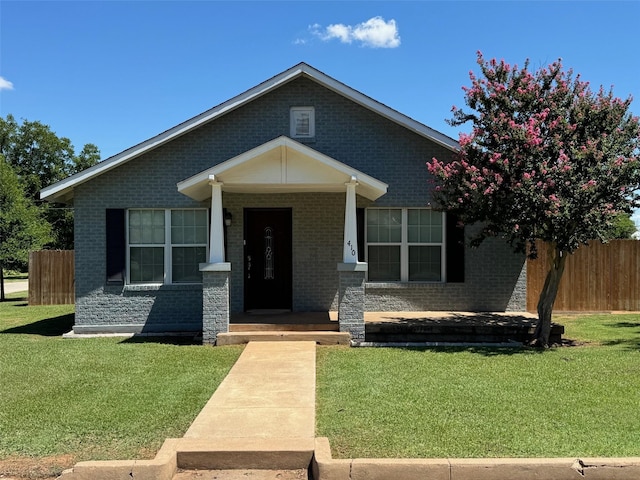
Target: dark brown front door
(267, 258)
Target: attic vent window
(303, 123)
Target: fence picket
(51, 277)
(598, 277)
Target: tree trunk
(1, 284)
(548, 297)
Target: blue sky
(115, 73)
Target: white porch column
(216, 235)
(350, 247)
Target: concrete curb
(189, 453)
(162, 467)
(324, 467)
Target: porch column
(215, 301)
(350, 247)
(216, 250)
(215, 274)
(351, 299)
(351, 273)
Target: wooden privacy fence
(51, 277)
(597, 277)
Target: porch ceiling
(281, 165)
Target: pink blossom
(465, 139)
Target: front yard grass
(111, 398)
(478, 402)
(103, 398)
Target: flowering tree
(546, 159)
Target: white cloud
(374, 33)
(5, 84)
(343, 32)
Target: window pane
(177, 218)
(201, 234)
(189, 234)
(177, 235)
(413, 233)
(436, 233)
(384, 226)
(146, 264)
(413, 217)
(185, 262)
(146, 226)
(188, 227)
(200, 218)
(189, 218)
(372, 234)
(384, 263)
(424, 226)
(425, 264)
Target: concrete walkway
(19, 286)
(262, 414)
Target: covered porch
(272, 190)
(390, 328)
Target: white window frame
(167, 246)
(294, 115)
(405, 244)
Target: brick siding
(344, 131)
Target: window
(166, 246)
(303, 122)
(405, 245)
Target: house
(299, 194)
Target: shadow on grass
(10, 297)
(479, 350)
(165, 340)
(48, 327)
(630, 338)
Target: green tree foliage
(546, 159)
(622, 227)
(21, 226)
(39, 157)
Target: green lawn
(105, 398)
(111, 398)
(473, 402)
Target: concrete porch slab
(319, 337)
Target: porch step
(244, 453)
(320, 337)
(278, 327)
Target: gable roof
(62, 191)
(281, 165)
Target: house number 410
(353, 251)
